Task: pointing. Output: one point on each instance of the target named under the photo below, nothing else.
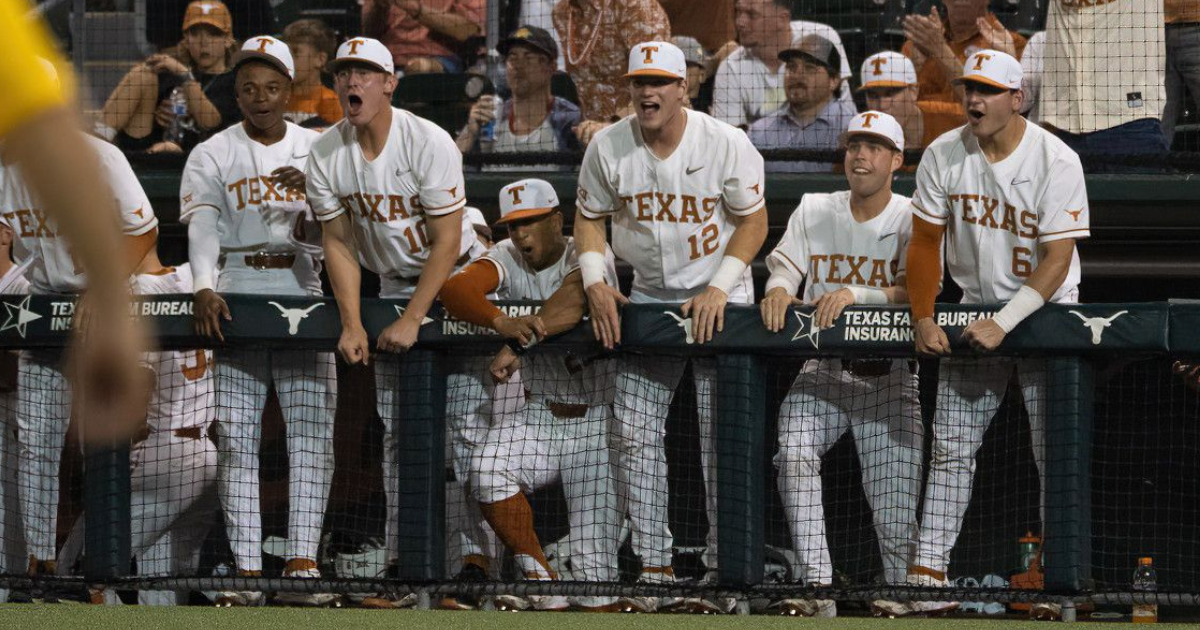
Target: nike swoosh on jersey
(693, 170)
(1018, 182)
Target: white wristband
(728, 274)
(868, 295)
(591, 267)
(1022, 305)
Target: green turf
(75, 616)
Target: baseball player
(243, 199)
(561, 433)
(44, 398)
(12, 283)
(850, 248)
(685, 193)
(1010, 200)
(388, 189)
(173, 463)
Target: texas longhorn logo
(979, 59)
(263, 42)
(649, 52)
(354, 44)
(294, 315)
(1097, 324)
(867, 118)
(685, 325)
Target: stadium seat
(441, 98)
(345, 18)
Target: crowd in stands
(1112, 78)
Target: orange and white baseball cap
(526, 199)
(211, 12)
(364, 50)
(657, 59)
(878, 124)
(270, 50)
(994, 68)
(887, 69)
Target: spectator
(1102, 82)
(814, 116)
(312, 104)
(532, 120)
(889, 82)
(425, 36)
(709, 22)
(598, 36)
(1031, 74)
(749, 82)
(540, 13)
(1183, 59)
(250, 18)
(699, 98)
(138, 112)
(939, 46)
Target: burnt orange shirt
(597, 36)
(320, 103)
(1182, 11)
(933, 82)
(939, 117)
(710, 22)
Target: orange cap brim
(984, 80)
(652, 72)
(882, 84)
(520, 215)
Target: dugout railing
(1082, 345)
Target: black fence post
(739, 435)
(106, 504)
(421, 441)
(1067, 551)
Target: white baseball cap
(364, 50)
(270, 50)
(887, 69)
(526, 199)
(994, 68)
(657, 59)
(877, 124)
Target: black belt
(266, 260)
(867, 368)
(567, 410)
(189, 433)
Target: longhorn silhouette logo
(1097, 324)
(294, 315)
(685, 324)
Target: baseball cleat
(470, 573)
(239, 599)
(805, 608)
(927, 578)
(890, 609)
(708, 605)
(306, 569)
(643, 604)
(1045, 611)
(389, 601)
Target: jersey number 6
(1022, 262)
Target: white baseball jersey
(827, 246)
(671, 217)
(996, 215)
(547, 373)
(231, 173)
(13, 282)
(183, 395)
(418, 173)
(54, 269)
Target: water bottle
(1029, 546)
(179, 108)
(487, 131)
(1145, 580)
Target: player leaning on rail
(1012, 200)
(868, 228)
